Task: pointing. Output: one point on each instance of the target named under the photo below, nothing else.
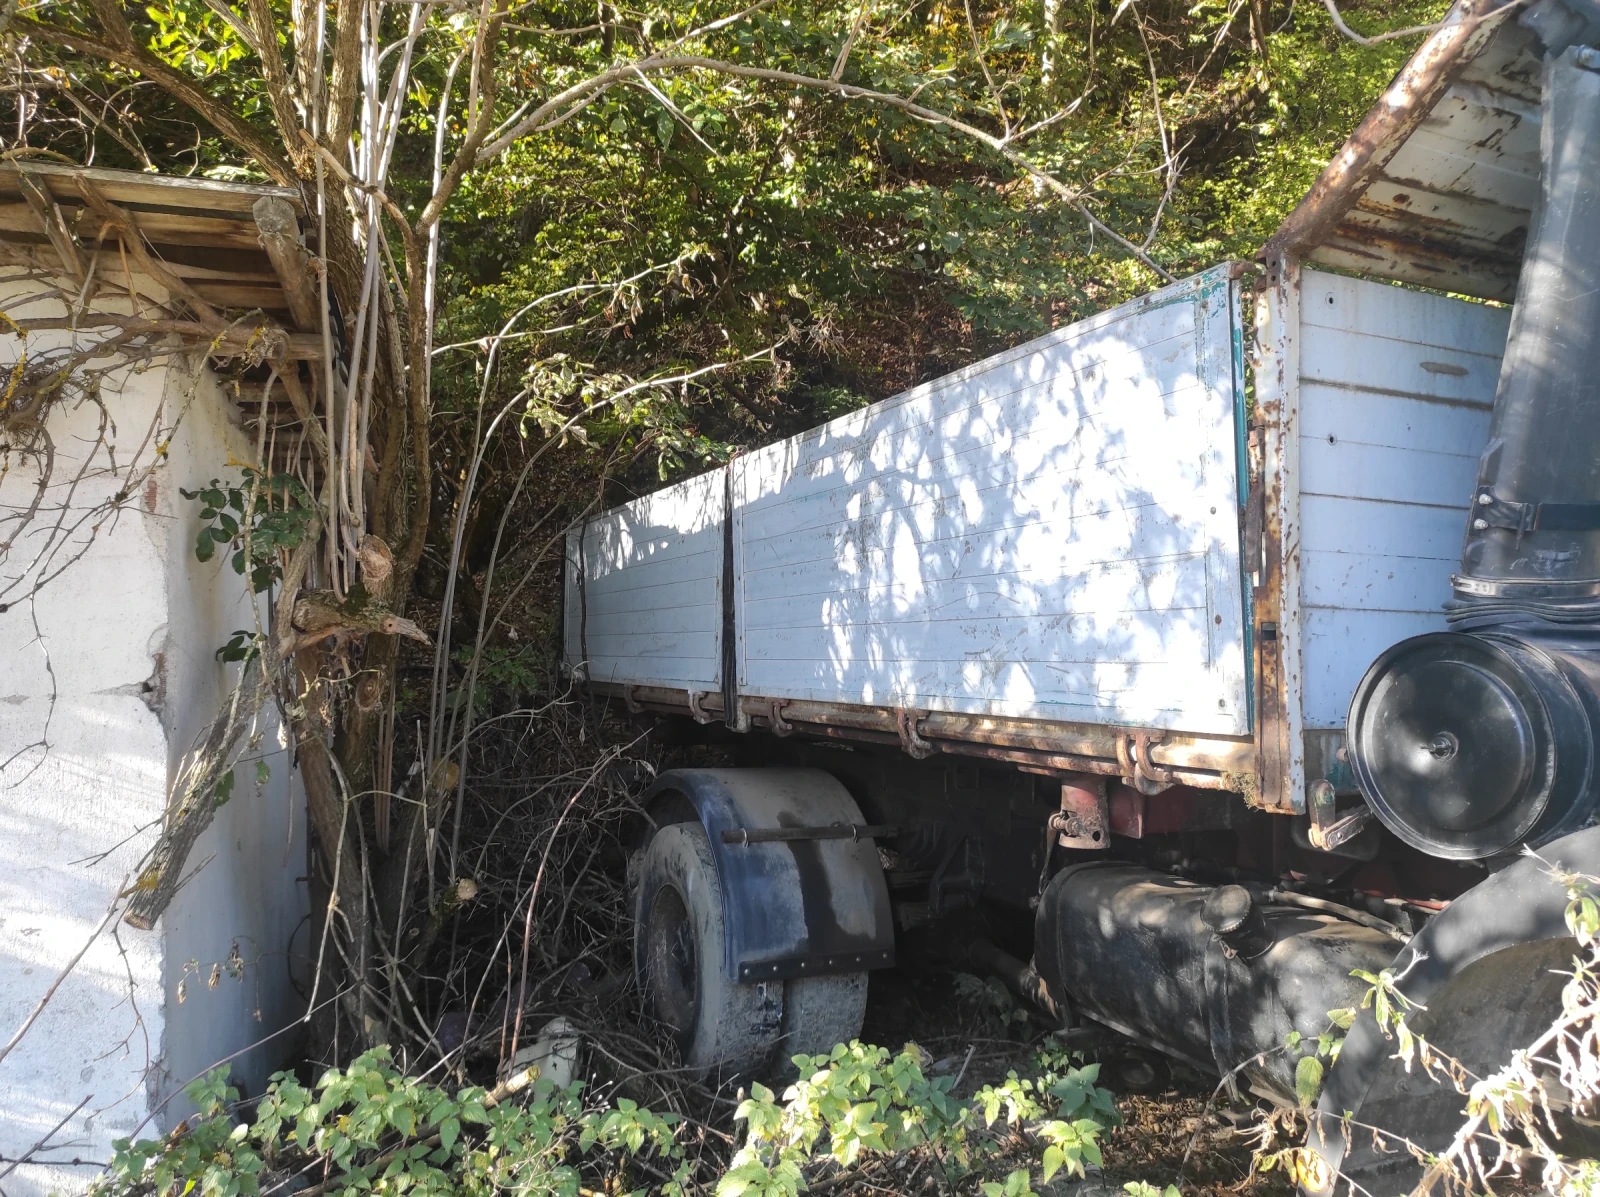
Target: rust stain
(1408, 102)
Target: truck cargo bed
(1033, 553)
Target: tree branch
(132, 57)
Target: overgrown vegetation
(576, 249)
(370, 1128)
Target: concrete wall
(106, 674)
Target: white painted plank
(1382, 529)
(1053, 530)
(1019, 471)
(1336, 301)
(1363, 361)
(648, 607)
(1374, 582)
(1342, 639)
(1391, 474)
(1091, 528)
(1385, 479)
(1088, 691)
(1117, 588)
(1365, 418)
(1442, 162)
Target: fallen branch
(194, 799)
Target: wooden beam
(54, 225)
(280, 237)
(135, 187)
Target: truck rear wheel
(721, 1027)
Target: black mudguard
(800, 908)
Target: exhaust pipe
(1472, 742)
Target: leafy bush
(265, 516)
(370, 1129)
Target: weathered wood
(133, 187)
(128, 230)
(54, 226)
(280, 237)
(1398, 113)
(175, 229)
(257, 341)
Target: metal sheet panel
(1052, 533)
(1451, 208)
(1396, 389)
(644, 589)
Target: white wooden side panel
(1052, 533)
(644, 589)
(1396, 390)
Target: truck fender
(792, 908)
(1485, 978)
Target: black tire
(723, 1029)
(819, 1013)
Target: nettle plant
(371, 1129)
(859, 1101)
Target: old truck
(1177, 663)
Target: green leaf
(449, 1132)
(1308, 1080)
(1054, 1157)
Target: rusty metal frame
(1280, 751)
(1208, 762)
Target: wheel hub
(672, 962)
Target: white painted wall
(1050, 533)
(644, 589)
(106, 674)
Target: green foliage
(263, 518)
(859, 1101)
(374, 1130)
(513, 668)
(371, 1129)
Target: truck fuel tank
(1208, 974)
